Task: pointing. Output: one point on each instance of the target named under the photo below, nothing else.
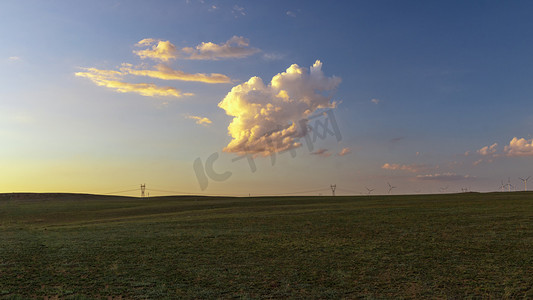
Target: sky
(265, 97)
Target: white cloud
(273, 56)
(291, 14)
(488, 150)
(200, 120)
(238, 11)
(519, 147)
(344, 151)
(375, 101)
(14, 58)
(266, 117)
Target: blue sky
(428, 96)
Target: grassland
(426, 246)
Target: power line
(119, 192)
(293, 193)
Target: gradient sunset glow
(265, 97)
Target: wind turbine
(502, 187)
(509, 185)
(390, 187)
(525, 182)
(369, 190)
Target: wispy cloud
(167, 73)
(344, 151)
(111, 79)
(414, 168)
(236, 47)
(200, 120)
(322, 153)
(164, 52)
(375, 101)
(238, 11)
(444, 177)
(519, 147)
(265, 117)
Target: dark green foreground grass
(438, 246)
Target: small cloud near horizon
(444, 177)
(413, 168)
(321, 152)
(519, 147)
(344, 151)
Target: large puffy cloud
(519, 147)
(111, 79)
(267, 118)
(167, 73)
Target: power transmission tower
(333, 187)
(143, 188)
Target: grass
(427, 246)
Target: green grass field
(426, 246)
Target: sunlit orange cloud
(344, 151)
(166, 73)
(236, 47)
(519, 147)
(200, 120)
(111, 79)
(488, 150)
(163, 50)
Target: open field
(425, 246)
